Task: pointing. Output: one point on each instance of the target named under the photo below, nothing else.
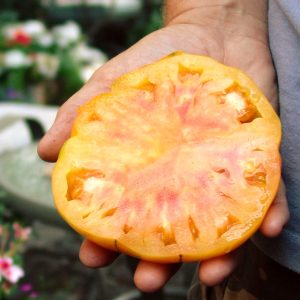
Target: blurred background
(48, 50)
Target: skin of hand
(229, 31)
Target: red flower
(21, 38)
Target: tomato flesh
(170, 169)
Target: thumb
(53, 140)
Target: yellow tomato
(179, 162)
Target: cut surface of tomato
(179, 162)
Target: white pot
(14, 132)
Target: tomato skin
(179, 162)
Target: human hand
(233, 35)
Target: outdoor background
(48, 50)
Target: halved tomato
(179, 162)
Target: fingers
(215, 270)
(93, 256)
(150, 277)
(277, 216)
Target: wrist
(229, 17)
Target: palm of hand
(244, 52)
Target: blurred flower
(33, 294)
(21, 233)
(33, 28)
(5, 286)
(15, 34)
(87, 71)
(118, 5)
(128, 5)
(9, 271)
(45, 40)
(24, 32)
(9, 31)
(16, 59)
(11, 93)
(58, 54)
(85, 54)
(100, 2)
(26, 287)
(12, 240)
(67, 34)
(46, 64)
(90, 58)
(21, 38)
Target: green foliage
(7, 16)
(148, 21)
(18, 9)
(37, 62)
(68, 69)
